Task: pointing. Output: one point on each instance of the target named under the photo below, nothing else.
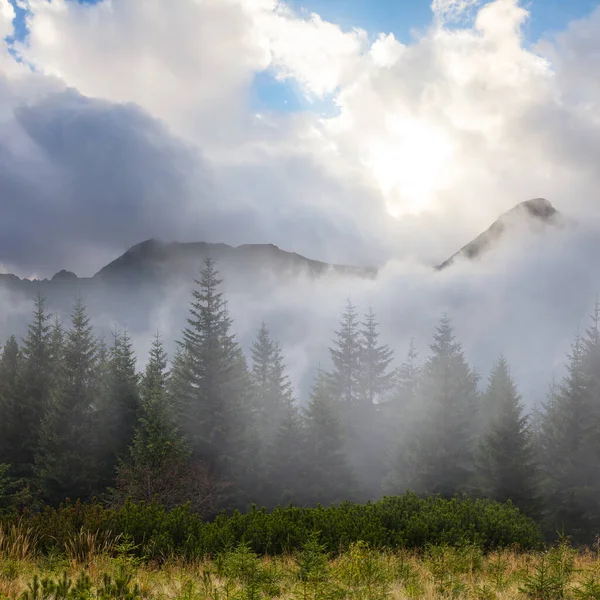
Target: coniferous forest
(217, 430)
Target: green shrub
(392, 523)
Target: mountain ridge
(537, 211)
(153, 260)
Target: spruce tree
(508, 469)
(158, 466)
(271, 386)
(288, 471)
(375, 360)
(11, 395)
(399, 415)
(157, 433)
(65, 466)
(119, 408)
(366, 446)
(329, 479)
(568, 442)
(211, 384)
(37, 380)
(56, 349)
(274, 413)
(345, 379)
(443, 442)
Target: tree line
(219, 430)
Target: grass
(92, 568)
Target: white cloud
(7, 14)
(446, 131)
(452, 11)
(317, 54)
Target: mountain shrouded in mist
(538, 212)
(156, 263)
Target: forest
(212, 431)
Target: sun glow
(410, 165)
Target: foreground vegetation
(89, 567)
(396, 522)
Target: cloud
(81, 173)
(452, 11)
(134, 122)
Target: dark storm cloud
(92, 178)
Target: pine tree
(118, 411)
(329, 479)
(568, 440)
(346, 354)
(158, 466)
(212, 385)
(37, 379)
(157, 433)
(443, 443)
(11, 394)
(288, 469)
(365, 445)
(64, 466)
(56, 349)
(274, 410)
(508, 470)
(272, 388)
(399, 415)
(375, 360)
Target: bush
(395, 522)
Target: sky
(347, 131)
(370, 133)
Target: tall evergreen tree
(56, 349)
(119, 408)
(289, 471)
(157, 433)
(271, 386)
(365, 445)
(37, 380)
(275, 414)
(329, 479)
(399, 414)
(568, 439)
(64, 467)
(11, 395)
(211, 382)
(158, 466)
(508, 469)
(346, 353)
(375, 360)
(443, 444)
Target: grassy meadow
(92, 566)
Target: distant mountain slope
(154, 263)
(538, 211)
(157, 259)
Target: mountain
(152, 280)
(148, 287)
(158, 260)
(153, 266)
(539, 213)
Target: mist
(123, 121)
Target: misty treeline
(219, 430)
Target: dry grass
(359, 574)
(17, 542)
